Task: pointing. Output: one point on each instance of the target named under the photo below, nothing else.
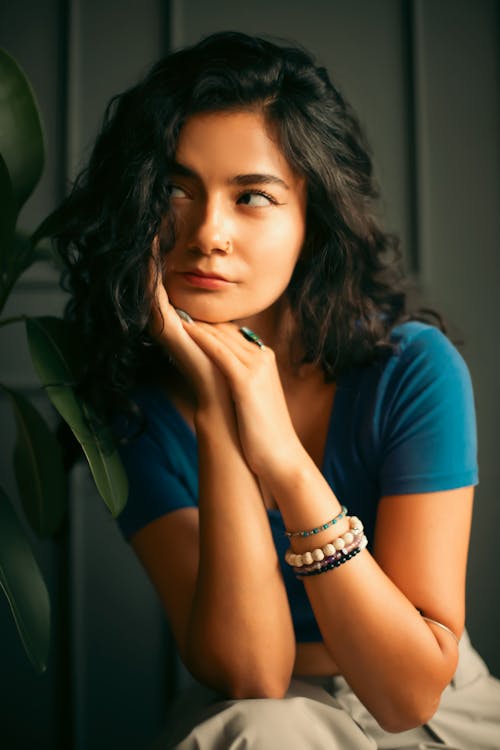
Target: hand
(268, 438)
(166, 328)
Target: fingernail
(183, 314)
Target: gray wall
(423, 76)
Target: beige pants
(324, 714)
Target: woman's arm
(396, 662)
(240, 620)
(218, 573)
(218, 577)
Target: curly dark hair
(344, 292)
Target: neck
(276, 327)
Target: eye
(256, 199)
(175, 191)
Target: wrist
(289, 467)
(305, 499)
(213, 414)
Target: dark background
(424, 78)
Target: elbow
(404, 715)
(237, 682)
(264, 681)
(415, 703)
(257, 688)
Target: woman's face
(240, 218)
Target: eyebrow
(243, 180)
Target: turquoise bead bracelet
(323, 527)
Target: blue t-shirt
(402, 425)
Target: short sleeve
(161, 468)
(428, 430)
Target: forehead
(238, 142)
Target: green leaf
(106, 467)
(23, 585)
(38, 467)
(21, 136)
(56, 359)
(8, 213)
(21, 253)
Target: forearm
(240, 635)
(384, 649)
(387, 653)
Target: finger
(218, 347)
(246, 350)
(229, 335)
(237, 359)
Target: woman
(302, 457)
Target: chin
(207, 311)
(212, 318)
(215, 308)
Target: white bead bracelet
(334, 547)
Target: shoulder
(156, 430)
(152, 413)
(424, 414)
(160, 459)
(423, 353)
(413, 337)
(425, 385)
(418, 353)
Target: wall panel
(458, 160)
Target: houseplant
(37, 462)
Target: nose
(211, 232)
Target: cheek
(280, 245)
(182, 221)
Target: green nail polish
(184, 315)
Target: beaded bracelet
(336, 545)
(316, 557)
(335, 564)
(358, 538)
(323, 527)
(329, 558)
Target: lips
(204, 280)
(205, 274)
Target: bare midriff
(313, 659)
